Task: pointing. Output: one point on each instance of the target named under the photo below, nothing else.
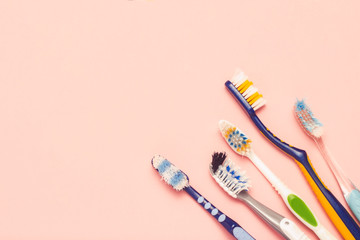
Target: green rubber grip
(298, 205)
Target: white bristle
(224, 126)
(318, 132)
(227, 179)
(156, 160)
(238, 78)
(258, 104)
(250, 91)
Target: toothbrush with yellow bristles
(314, 128)
(249, 98)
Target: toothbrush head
(236, 139)
(170, 173)
(247, 90)
(312, 126)
(227, 175)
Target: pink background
(91, 90)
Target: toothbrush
(180, 181)
(236, 184)
(249, 98)
(241, 144)
(314, 128)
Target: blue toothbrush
(180, 181)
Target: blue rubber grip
(230, 225)
(353, 199)
(300, 156)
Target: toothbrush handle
(295, 204)
(351, 194)
(353, 199)
(288, 229)
(344, 182)
(337, 213)
(299, 208)
(230, 225)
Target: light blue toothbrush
(314, 128)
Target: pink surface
(91, 90)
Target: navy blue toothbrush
(180, 181)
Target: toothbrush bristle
(170, 173)
(307, 120)
(217, 159)
(229, 177)
(236, 139)
(247, 90)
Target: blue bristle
(237, 131)
(231, 143)
(244, 142)
(300, 105)
(233, 174)
(165, 164)
(177, 178)
(229, 140)
(235, 146)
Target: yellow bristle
(252, 96)
(245, 87)
(255, 99)
(242, 85)
(228, 132)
